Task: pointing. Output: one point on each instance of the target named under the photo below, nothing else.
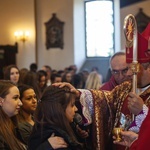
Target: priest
(108, 109)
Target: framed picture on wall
(54, 33)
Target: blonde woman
(93, 81)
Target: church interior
(32, 16)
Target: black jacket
(4, 145)
(39, 139)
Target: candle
(135, 39)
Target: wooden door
(7, 56)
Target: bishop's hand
(127, 138)
(71, 87)
(135, 103)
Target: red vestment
(110, 85)
(143, 141)
(107, 109)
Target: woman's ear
(1, 101)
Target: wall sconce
(22, 35)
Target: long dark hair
(51, 109)
(7, 71)
(30, 78)
(7, 124)
(22, 88)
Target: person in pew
(55, 77)
(30, 78)
(10, 104)
(48, 70)
(11, 73)
(119, 69)
(54, 113)
(42, 80)
(67, 77)
(93, 81)
(25, 115)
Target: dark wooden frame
(7, 56)
(54, 33)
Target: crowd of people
(24, 94)
(48, 109)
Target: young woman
(53, 116)
(30, 78)
(11, 73)
(25, 116)
(42, 80)
(10, 104)
(67, 77)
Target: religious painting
(54, 33)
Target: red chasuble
(143, 141)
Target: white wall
(18, 15)
(55, 57)
(71, 13)
(79, 33)
(117, 25)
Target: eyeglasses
(118, 72)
